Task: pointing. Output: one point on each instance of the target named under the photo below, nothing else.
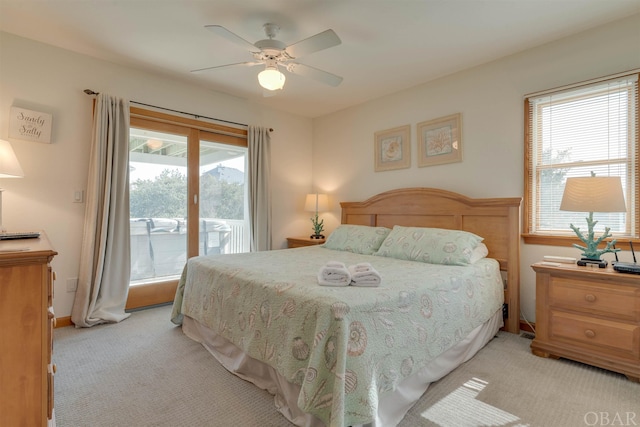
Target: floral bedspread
(344, 346)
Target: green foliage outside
(553, 179)
(166, 197)
(552, 182)
(221, 199)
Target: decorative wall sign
(392, 149)
(440, 141)
(30, 125)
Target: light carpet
(145, 372)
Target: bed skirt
(392, 407)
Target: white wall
(490, 98)
(48, 79)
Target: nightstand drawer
(614, 301)
(623, 337)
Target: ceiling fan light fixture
(271, 78)
(154, 144)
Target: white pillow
(478, 253)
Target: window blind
(574, 132)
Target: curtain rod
(91, 92)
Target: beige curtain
(103, 281)
(259, 175)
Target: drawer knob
(590, 297)
(589, 333)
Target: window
(572, 132)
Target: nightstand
(590, 315)
(298, 242)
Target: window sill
(558, 240)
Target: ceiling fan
(274, 54)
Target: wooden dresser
(298, 242)
(26, 322)
(587, 314)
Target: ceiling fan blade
(320, 41)
(232, 37)
(237, 64)
(314, 73)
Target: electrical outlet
(72, 284)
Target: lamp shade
(271, 78)
(9, 165)
(593, 194)
(316, 203)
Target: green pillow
(359, 239)
(430, 245)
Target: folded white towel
(360, 267)
(335, 264)
(334, 273)
(363, 274)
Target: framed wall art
(30, 125)
(392, 149)
(440, 141)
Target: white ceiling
(387, 45)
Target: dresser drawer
(612, 301)
(596, 333)
(51, 323)
(52, 278)
(51, 371)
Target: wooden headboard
(496, 220)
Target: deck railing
(159, 245)
(238, 239)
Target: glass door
(158, 204)
(223, 209)
(183, 202)
(188, 197)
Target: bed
(350, 356)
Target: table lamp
(9, 168)
(317, 203)
(593, 194)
